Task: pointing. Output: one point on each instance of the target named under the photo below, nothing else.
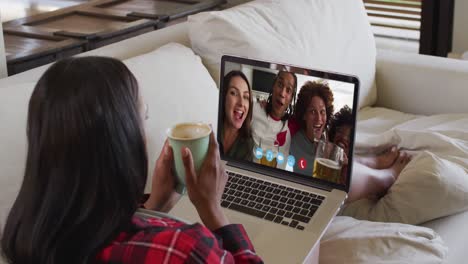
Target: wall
(460, 31)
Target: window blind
(399, 19)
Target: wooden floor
(13, 9)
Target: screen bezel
(280, 173)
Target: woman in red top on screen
(86, 171)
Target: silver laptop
(275, 190)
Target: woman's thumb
(188, 165)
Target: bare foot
(388, 176)
(400, 163)
(383, 160)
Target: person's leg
(383, 160)
(369, 182)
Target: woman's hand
(206, 188)
(163, 196)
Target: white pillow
(331, 35)
(348, 240)
(173, 81)
(429, 187)
(13, 142)
(177, 88)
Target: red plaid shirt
(163, 240)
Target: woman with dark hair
(314, 108)
(236, 137)
(270, 121)
(372, 174)
(85, 174)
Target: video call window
(287, 119)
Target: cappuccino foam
(190, 131)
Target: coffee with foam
(189, 131)
(194, 136)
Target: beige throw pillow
(332, 35)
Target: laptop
(275, 191)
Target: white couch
(415, 84)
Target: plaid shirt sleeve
(234, 239)
(162, 240)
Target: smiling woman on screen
(236, 138)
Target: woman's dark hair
(86, 165)
(290, 109)
(309, 90)
(344, 117)
(245, 130)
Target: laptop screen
(281, 118)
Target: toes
(405, 158)
(388, 158)
(393, 153)
(408, 158)
(401, 157)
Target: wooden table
(34, 41)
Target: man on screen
(271, 131)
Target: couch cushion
(331, 35)
(173, 82)
(177, 87)
(13, 145)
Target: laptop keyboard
(273, 202)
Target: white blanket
(445, 135)
(353, 241)
(435, 183)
